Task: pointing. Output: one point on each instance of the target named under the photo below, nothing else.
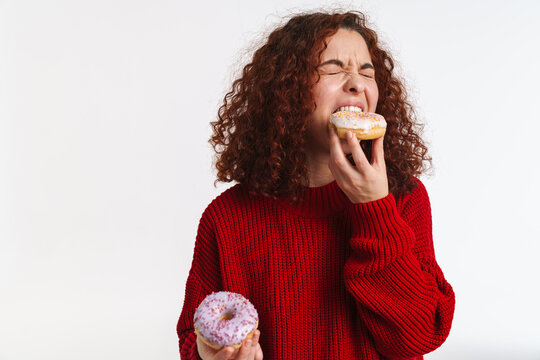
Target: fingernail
(248, 343)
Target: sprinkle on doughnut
(357, 120)
(225, 318)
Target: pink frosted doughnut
(225, 319)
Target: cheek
(375, 92)
(373, 95)
(322, 92)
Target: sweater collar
(318, 201)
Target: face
(347, 78)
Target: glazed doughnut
(364, 125)
(225, 319)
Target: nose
(355, 83)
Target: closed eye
(333, 71)
(341, 72)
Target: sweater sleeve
(203, 279)
(401, 293)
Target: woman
(330, 239)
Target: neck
(319, 173)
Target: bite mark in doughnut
(225, 319)
(364, 125)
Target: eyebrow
(340, 64)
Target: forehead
(348, 46)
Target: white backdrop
(105, 167)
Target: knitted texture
(329, 279)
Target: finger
(337, 156)
(225, 353)
(243, 354)
(336, 171)
(255, 344)
(358, 154)
(377, 150)
(259, 353)
(335, 144)
(206, 351)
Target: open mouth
(348, 108)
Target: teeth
(350, 108)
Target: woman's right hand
(250, 350)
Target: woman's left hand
(364, 182)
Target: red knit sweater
(329, 279)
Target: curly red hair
(259, 137)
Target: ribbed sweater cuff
(379, 236)
(375, 219)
